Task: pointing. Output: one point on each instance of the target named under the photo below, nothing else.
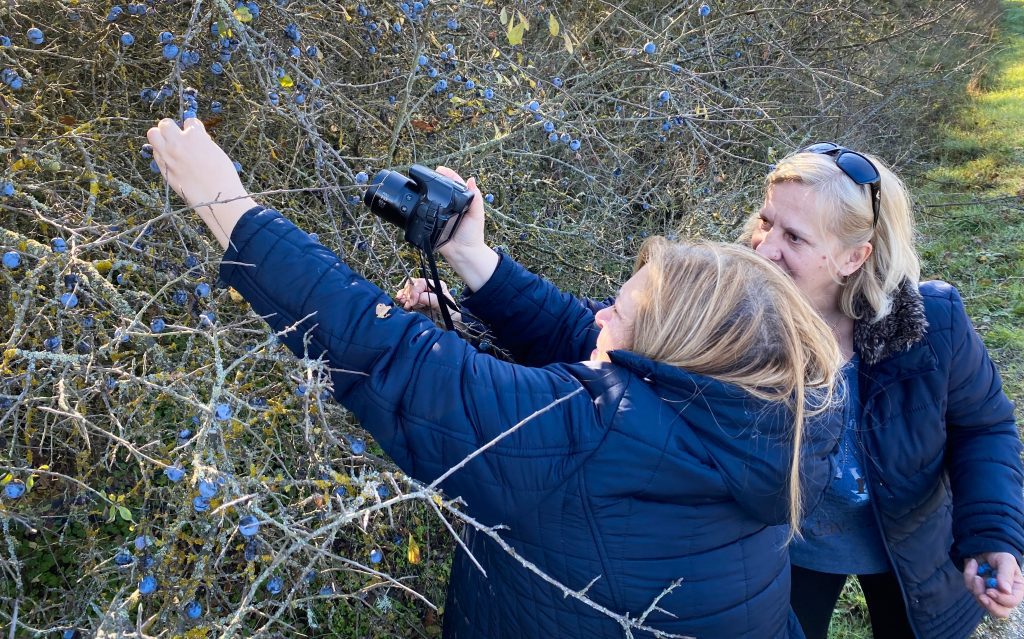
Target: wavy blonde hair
(723, 311)
(846, 218)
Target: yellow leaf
(522, 19)
(235, 296)
(23, 163)
(437, 499)
(94, 188)
(514, 33)
(414, 551)
(103, 266)
(243, 15)
(568, 42)
(495, 53)
(503, 16)
(287, 81)
(553, 25)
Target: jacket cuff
(961, 552)
(497, 289)
(251, 223)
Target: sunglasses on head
(857, 167)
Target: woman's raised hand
(467, 252)
(201, 173)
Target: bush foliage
(144, 410)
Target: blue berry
(376, 556)
(7, 189)
(216, 107)
(358, 447)
(14, 489)
(664, 96)
(275, 585)
(704, 10)
(5, 42)
(574, 145)
(207, 489)
(217, 68)
(533, 106)
(991, 582)
(200, 504)
(488, 93)
(650, 48)
(174, 473)
(397, 27)
(165, 37)
(294, 52)
(127, 39)
(184, 433)
(549, 126)
(69, 300)
(194, 609)
(453, 24)
(565, 138)
(170, 51)
(248, 526)
(489, 198)
(59, 245)
(158, 325)
(675, 68)
(148, 585)
(383, 491)
(441, 85)
(361, 177)
(123, 558)
(311, 51)
(237, 165)
(146, 151)
(51, 343)
(222, 412)
(421, 60)
(203, 289)
(35, 35)
(470, 85)
(179, 297)
(552, 137)
(557, 82)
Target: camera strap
(434, 282)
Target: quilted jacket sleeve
(984, 449)
(427, 396)
(531, 319)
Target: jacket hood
(750, 440)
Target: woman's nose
(599, 317)
(768, 248)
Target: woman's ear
(855, 258)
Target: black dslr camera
(426, 204)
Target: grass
(971, 219)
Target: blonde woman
(927, 478)
(653, 479)
(927, 484)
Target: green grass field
(971, 218)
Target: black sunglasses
(857, 167)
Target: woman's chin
(599, 356)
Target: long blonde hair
(723, 311)
(847, 217)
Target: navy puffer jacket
(627, 477)
(944, 454)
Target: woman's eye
(794, 238)
(765, 224)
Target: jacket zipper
(878, 520)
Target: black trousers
(814, 597)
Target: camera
(426, 204)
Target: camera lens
(391, 196)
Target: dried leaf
(568, 43)
(503, 16)
(553, 25)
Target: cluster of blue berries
(988, 573)
(133, 9)
(11, 78)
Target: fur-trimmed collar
(904, 326)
